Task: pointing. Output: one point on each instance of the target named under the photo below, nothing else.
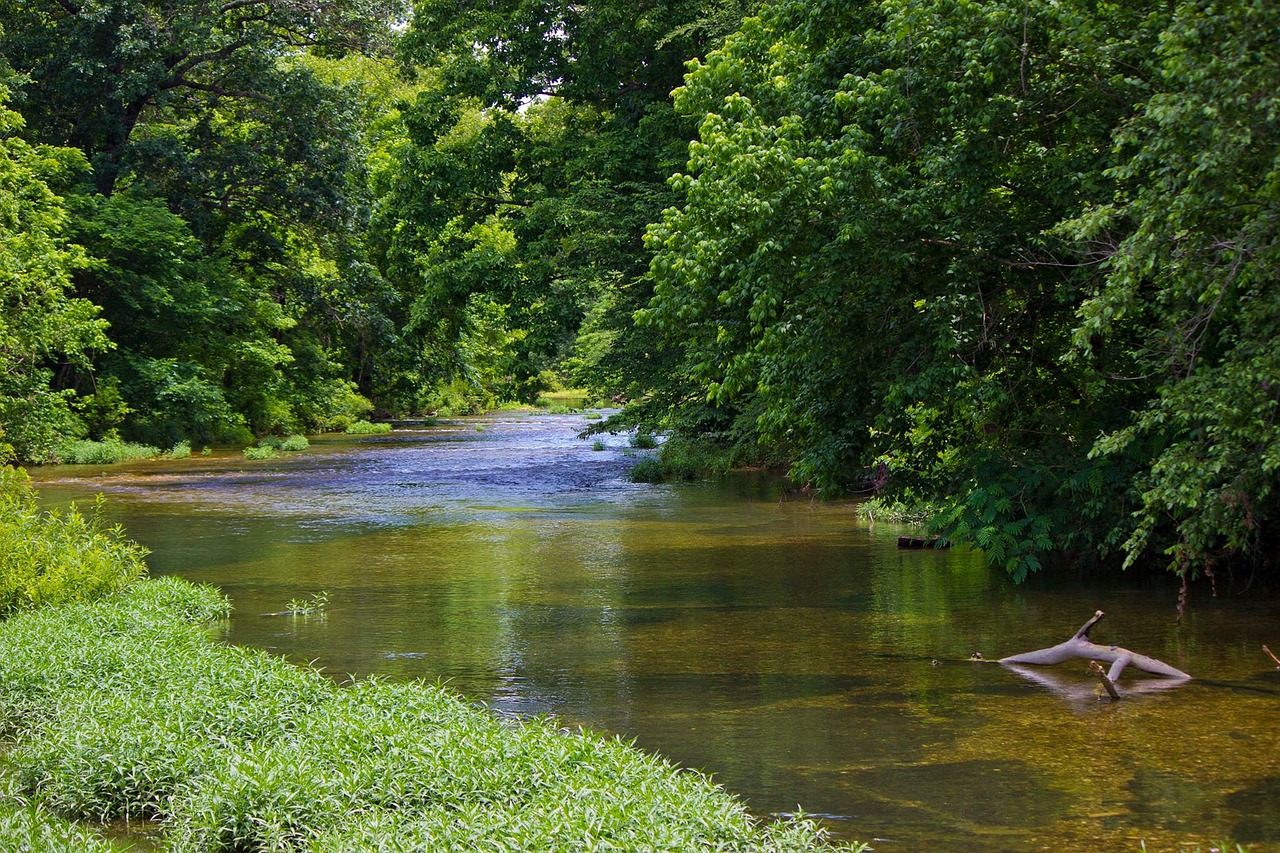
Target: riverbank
(129, 707)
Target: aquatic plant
(126, 707)
(260, 452)
(109, 451)
(316, 604)
(643, 440)
(366, 428)
(181, 450)
(294, 443)
(28, 827)
(598, 444)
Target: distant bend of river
(786, 647)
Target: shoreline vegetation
(119, 702)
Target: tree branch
(1079, 646)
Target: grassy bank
(129, 707)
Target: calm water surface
(785, 647)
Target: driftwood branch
(1107, 683)
(1081, 647)
(1271, 655)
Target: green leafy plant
(109, 451)
(316, 605)
(367, 428)
(57, 556)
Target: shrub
(60, 555)
(643, 440)
(181, 450)
(261, 451)
(367, 428)
(294, 443)
(646, 470)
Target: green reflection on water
(784, 646)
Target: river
(784, 646)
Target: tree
(865, 260)
(1188, 315)
(548, 125)
(209, 125)
(42, 326)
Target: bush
(367, 428)
(261, 451)
(685, 459)
(643, 440)
(106, 452)
(57, 556)
(295, 443)
(181, 450)
(646, 470)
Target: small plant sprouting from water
(363, 427)
(644, 440)
(316, 605)
(598, 444)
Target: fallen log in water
(1081, 647)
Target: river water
(784, 646)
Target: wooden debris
(1080, 646)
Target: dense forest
(1015, 264)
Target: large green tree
(536, 159)
(43, 327)
(226, 206)
(1187, 318)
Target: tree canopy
(1015, 264)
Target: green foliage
(316, 605)
(181, 450)
(294, 443)
(1188, 313)
(57, 556)
(128, 708)
(908, 254)
(34, 828)
(109, 451)
(42, 323)
(291, 444)
(367, 428)
(643, 440)
(261, 451)
(224, 218)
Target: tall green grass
(57, 556)
(109, 451)
(128, 707)
(31, 828)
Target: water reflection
(782, 645)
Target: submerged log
(1081, 647)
